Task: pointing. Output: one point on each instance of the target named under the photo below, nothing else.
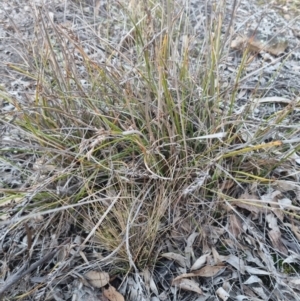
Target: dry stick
(23, 271)
(229, 25)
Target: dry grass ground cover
(145, 155)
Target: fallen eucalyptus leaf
(222, 294)
(97, 279)
(112, 294)
(199, 263)
(188, 285)
(176, 257)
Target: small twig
(29, 238)
(234, 5)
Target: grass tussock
(149, 144)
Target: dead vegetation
(142, 172)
